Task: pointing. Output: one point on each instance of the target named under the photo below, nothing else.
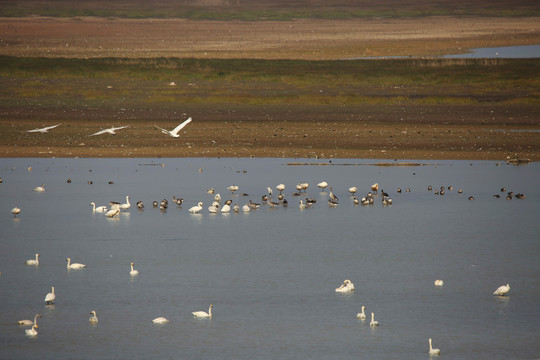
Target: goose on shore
(203, 314)
(33, 261)
(74, 266)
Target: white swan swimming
(213, 209)
(174, 132)
(160, 320)
(302, 205)
(347, 286)
(133, 272)
(71, 266)
(93, 319)
(112, 213)
(433, 351)
(111, 131)
(203, 314)
(439, 283)
(246, 208)
(361, 315)
(226, 208)
(373, 322)
(40, 188)
(32, 331)
(126, 205)
(197, 208)
(29, 322)
(15, 211)
(502, 290)
(43, 130)
(98, 208)
(50, 297)
(32, 261)
(232, 188)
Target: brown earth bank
(411, 132)
(309, 39)
(490, 132)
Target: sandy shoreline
(487, 132)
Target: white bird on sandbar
(203, 314)
(111, 131)
(43, 130)
(74, 265)
(174, 132)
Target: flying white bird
(176, 130)
(43, 130)
(111, 131)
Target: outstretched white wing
(118, 128)
(100, 132)
(45, 129)
(180, 127)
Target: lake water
(270, 273)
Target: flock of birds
(348, 287)
(113, 130)
(50, 299)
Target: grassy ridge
(144, 82)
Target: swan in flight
(502, 290)
(203, 314)
(112, 213)
(197, 208)
(111, 131)
(50, 297)
(93, 319)
(347, 286)
(74, 265)
(439, 283)
(32, 331)
(98, 208)
(361, 315)
(126, 205)
(15, 211)
(29, 322)
(32, 261)
(373, 322)
(176, 130)
(40, 188)
(43, 130)
(433, 351)
(160, 320)
(133, 272)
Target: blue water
(270, 273)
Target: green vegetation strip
(106, 82)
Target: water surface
(270, 273)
